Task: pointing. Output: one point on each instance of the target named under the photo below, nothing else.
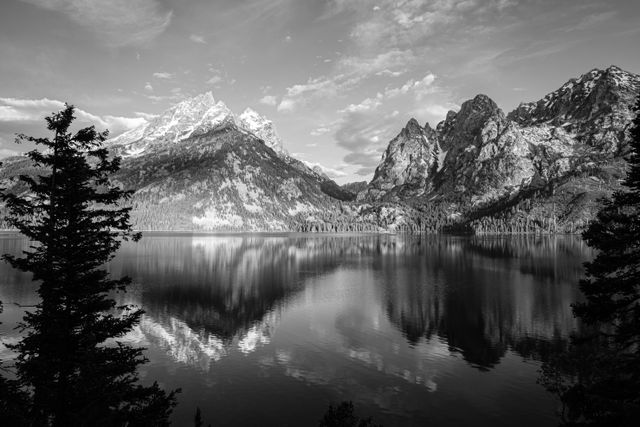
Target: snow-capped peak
(195, 116)
(262, 127)
(252, 118)
(192, 116)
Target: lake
(269, 329)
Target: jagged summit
(477, 110)
(408, 160)
(479, 154)
(192, 117)
(262, 127)
(412, 128)
(595, 93)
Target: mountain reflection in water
(358, 317)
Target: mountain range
(541, 168)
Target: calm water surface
(265, 330)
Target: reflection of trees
(482, 295)
(487, 295)
(205, 294)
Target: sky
(339, 78)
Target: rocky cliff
(549, 158)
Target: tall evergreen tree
(612, 286)
(70, 359)
(605, 362)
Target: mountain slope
(197, 166)
(484, 163)
(222, 180)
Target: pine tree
(70, 359)
(604, 364)
(612, 286)
(12, 399)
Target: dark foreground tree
(603, 385)
(12, 399)
(70, 360)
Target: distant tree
(343, 415)
(70, 359)
(604, 365)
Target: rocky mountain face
(480, 162)
(199, 167)
(407, 163)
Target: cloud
(162, 75)
(161, 98)
(145, 116)
(269, 100)
(116, 22)
(390, 73)
(7, 152)
(366, 105)
(418, 88)
(592, 20)
(148, 87)
(214, 80)
(348, 73)
(433, 112)
(364, 136)
(118, 125)
(423, 87)
(322, 130)
(332, 173)
(13, 110)
(197, 39)
(18, 110)
(286, 106)
(217, 76)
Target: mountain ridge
(539, 168)
(485, 156)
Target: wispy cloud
(332, 173)
(319, 131)
(197, 39)
(398, 23)
(592, 20)
(116, 22)
(364, 136)
(32, 110)
(145, 116)
(214, 80)
(163, 75)
(270, 100)
(367, 104)
(349, 72)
